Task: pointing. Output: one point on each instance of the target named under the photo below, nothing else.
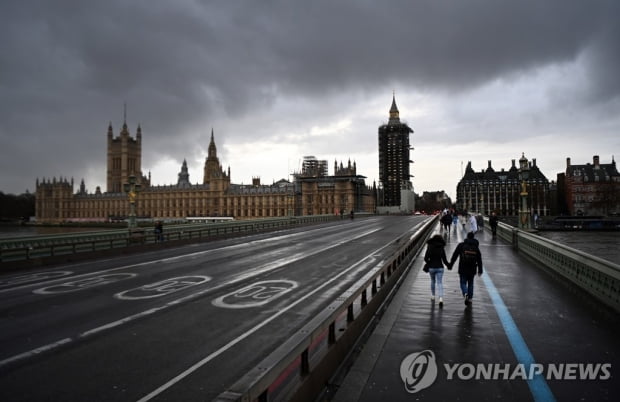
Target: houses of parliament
(311, 192)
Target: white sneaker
(441, 302)
(432, 298)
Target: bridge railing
(40, 247)
(599, 277)
(299, 369)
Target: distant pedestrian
(470, 262)
(159, 231)
(493, 220)
(473, 224)
(463, 219)
(446, 221)
(480, 221)
(435, 258)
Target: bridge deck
(521, 315)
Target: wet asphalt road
(180, 323)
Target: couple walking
(470, 263)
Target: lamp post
(132, 189)
(485, 185)
(524, 213)
(290, 200)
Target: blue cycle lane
(528, 336)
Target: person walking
(463, 219)
(159, 231)
(473, 224)
(470, 261)
(446, 221)
(493, 220)
(435, 258)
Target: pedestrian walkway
(527, 336)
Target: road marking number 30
(162, 288)
(85, 283)
(256, 294)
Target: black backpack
(469, 255)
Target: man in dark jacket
(470, 262)
(493, 220)
(446, 221)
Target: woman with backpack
(470, 262)
(435, 258)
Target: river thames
(605, 245)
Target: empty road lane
(177, 323)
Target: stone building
(56, 200)
(591, 189)
(124, 158)
(395, 193)
(490, 190)
(341, 193)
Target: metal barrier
(36, 247)
(596, 276)
(299, 368)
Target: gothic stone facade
(56, 200)
(341, 193)
(488, 190)
(394, 159)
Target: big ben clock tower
(394, 160)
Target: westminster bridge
(337, 309)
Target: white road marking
(85, 283)
(251, 331)
(35, 352)
(254, 272)
(256, 294)
(162, 288)
(39, 276)
(169, 259)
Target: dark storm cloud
(67, 67)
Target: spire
(124, 116)
(212, 150)
(183, 180)
(394, 114)
(213, 172)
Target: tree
(14, 207)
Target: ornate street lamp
(289, 203)
(132, 189)
(524, 213)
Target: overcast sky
(477, 80)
